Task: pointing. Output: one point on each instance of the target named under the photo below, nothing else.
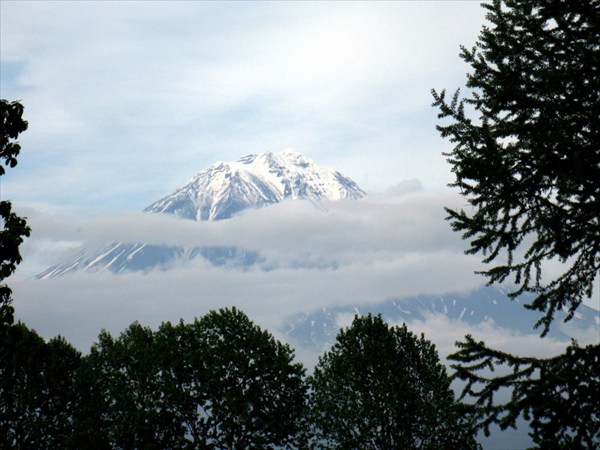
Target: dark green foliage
(14, 228)
(382, 387)
(125, 374)
(530, 163)
(12, 124)
(219, 382)
(250, 393)
(38, 391)
(558, 395)
(38, 395)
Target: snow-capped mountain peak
(223, 189)
(219, 192)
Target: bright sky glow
(128, 100)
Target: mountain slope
(216, 193)
(316, 330)
(254, 181)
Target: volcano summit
(216, 193)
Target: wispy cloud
(378, 227)
(125, 100)
(384, 246)
(376, 248)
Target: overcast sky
(128, 100)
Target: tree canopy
(382, 387)
(529, 164)
(250, 391)
(558, 395)
(13, 124)
(14, 228)
(527, 159)
(38, 393)
(218, 382)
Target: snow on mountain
(316, 331)
(254, 181)
(123, 257)
(216, 193)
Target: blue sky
(127, 100)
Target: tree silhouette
(218, 382)
(530, 164)
(14, 228)
(382, 387)
(38, 394)
(527, 159)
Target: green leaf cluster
(11, 125)
(558, 395)
(529, 164)
(220, 382)
(38, 391)
(526, 157)
(382, 387)
(14, 228)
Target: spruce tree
(527, 159)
